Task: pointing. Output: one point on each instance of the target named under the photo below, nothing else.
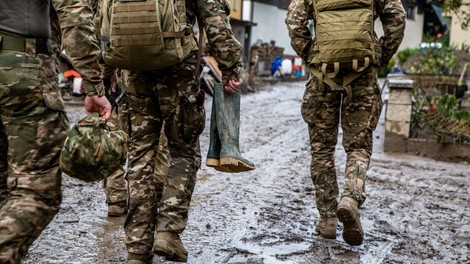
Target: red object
(70, 73)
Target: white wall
(457, 34)
(246, 13)
(413, 31)
(270, 26)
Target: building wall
(270, 25)
(458, 36)
(236, 9)
(413, 31)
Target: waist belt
(8, 42)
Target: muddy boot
(139, 259)
(117, 209)
(326, 227)
(213, 154)
(348, 214)
(228, 126)
(169, 245)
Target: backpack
(145, 34)
(344, 41)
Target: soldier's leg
(115, 186)
(182, 129)
(35, 136)
(359, 120)
(321, 112)
(146, 123)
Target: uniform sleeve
(80, 43)
(297, 20)
(393, 19)
(223, 45)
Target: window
(410, 11)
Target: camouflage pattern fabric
(34, 126)
(115, 185)
(32, 130)
(78, 29)
(322, 109)
(156, 101)
(391, 13)
(92, 151)
(170, 98)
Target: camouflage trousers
(33, 129)
(323, 111)
(115, 186)
(167, 99)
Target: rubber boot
(326, 227)
(227, 108)
(213, 154)
(348, 214)
(169, 245)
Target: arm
(80, 44)
(298, 15)
(393, 19)
(226, 49)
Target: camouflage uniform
(322, 108)
(34, 126)
(171, 98)
(115, 186)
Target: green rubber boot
(227, 112)
(213, 154)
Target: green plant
(403, 55)
(436, 61)
(448, 106)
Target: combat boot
(348, 214)
(169, 245)
(326, 227)
(139, 259)
(227, 107)
(117, 209)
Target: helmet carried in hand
(92, 151)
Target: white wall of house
(413, 31)
(270, 25)
(458, 36)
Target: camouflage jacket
(214, 17)
(79, 41)
(390, 12)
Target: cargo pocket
(192, 119)
(53, 100)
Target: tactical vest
(145, 34)
(344, 41)
(27, 18)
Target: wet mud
(417, 209)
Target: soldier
(33, 122)
(171, 98)
(323, 108)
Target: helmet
(92, 151)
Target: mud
(417, 209)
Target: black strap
(19, 44)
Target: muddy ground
(417, 210)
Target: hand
(231, 86)
(98, 104)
